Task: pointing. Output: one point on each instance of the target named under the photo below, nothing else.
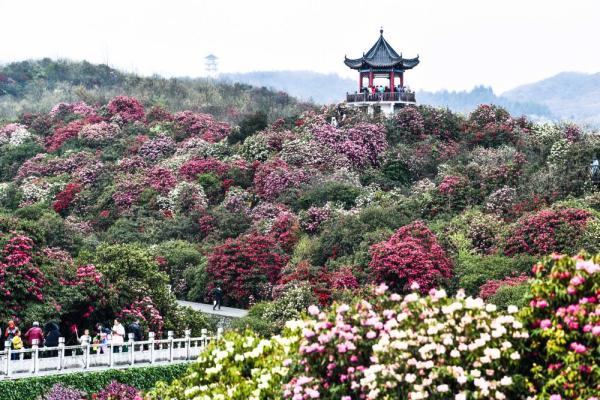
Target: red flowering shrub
(192, 168)
(409, 124)
(64, 198)
(490, 125)
(146, 312)
(285, 231)
(161, 179)
(158, 114)
(412, 254)
(274, 177)
(343, 278)
(564, 325)
(245, 267)
(490, 288)
(547, 231)
(129, 109)
(21, 280)
(62, 134)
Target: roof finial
(381, 30)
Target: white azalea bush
(236, 367)
(411, 347)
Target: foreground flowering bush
(412, 347)
(238, 367)
(564, 321)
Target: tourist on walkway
(85, 338)
(136, 329)
(35, 333)
(17, 344)
(51, 338)
(218, 297)
(118, 334)
(11, 331)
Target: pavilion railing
(408, 97)
(92, 357)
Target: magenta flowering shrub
(362, 143)
(127, 109)
(146, 312)
(490, 125)
(274, 177)
(118, 391)
(547, 231)
(564, 319)
(411, 255)
(63, 110)
(451, 184)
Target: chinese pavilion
(381, 61)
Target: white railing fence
(87, 356)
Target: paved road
(208, 309)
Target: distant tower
(211, 65)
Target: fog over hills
(568, 95)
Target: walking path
(208, 309)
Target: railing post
(7, 346)
(131, 349)
(61, 352)
(203, 333)
(170, 337)
(188, 343)
(111, 358)
(151, 339)
(34, 356)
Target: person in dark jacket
(51, 339)
(136, 329)
(218, 297)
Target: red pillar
(360, 76)
(402, 79)
(392, 81)
(370, 78)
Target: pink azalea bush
(411, 255)
(146, 312)
(564, 320)
(274, 177)
(490, 288)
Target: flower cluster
(62, 134)
(312, 219)
(410, 123)
(194, 167)
(407, 347)
(62, 110)
(202, 124)
(159, 147)
(490, 288)
(564, 318)
(501, 201)
(64, 198)
(411, 255)
(118, 391)
(20, 278)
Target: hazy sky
(462, 43)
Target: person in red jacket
(35, 332)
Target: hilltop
(36, 85)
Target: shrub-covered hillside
(106, 207)
(35, 86)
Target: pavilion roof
(381, 55)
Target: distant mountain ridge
(568, 95)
